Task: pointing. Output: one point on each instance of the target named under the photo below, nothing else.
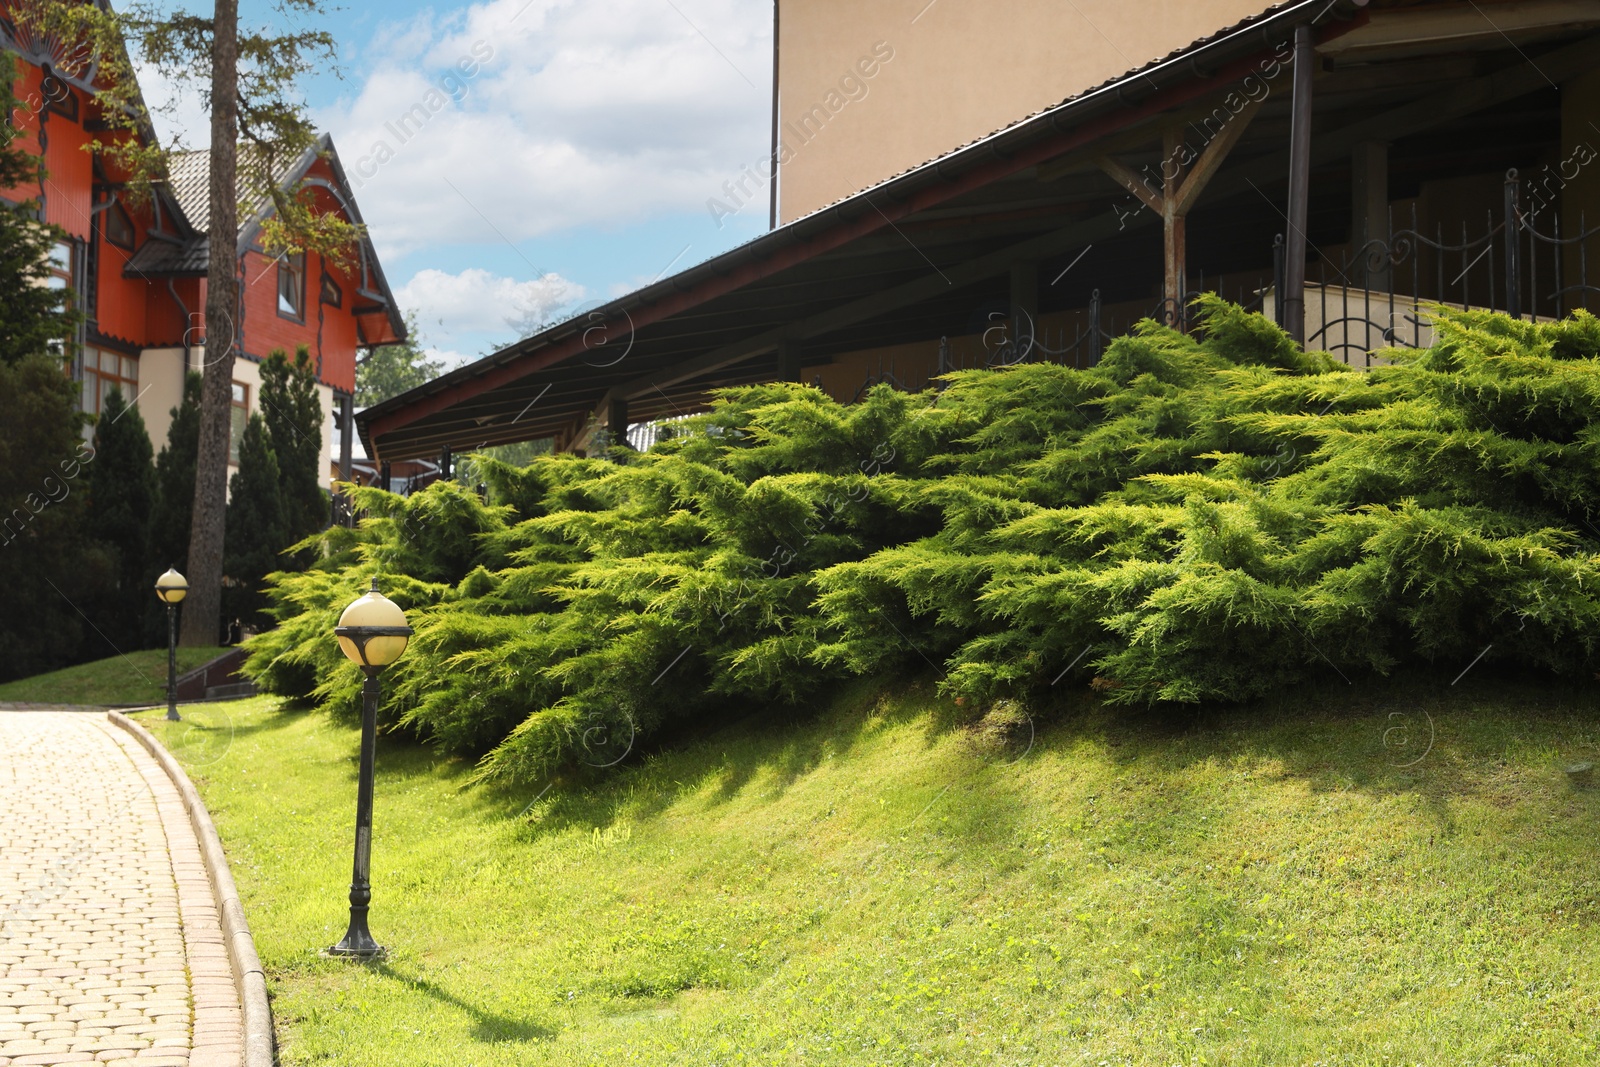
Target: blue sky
(565, 151)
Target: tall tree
(121, 493)
(293, 418)
(207, 530)
(389, 370)
(249, 84)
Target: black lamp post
(372, 632)
(172, 587)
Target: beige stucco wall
(946, 73)
(161, 388)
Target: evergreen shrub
(1197, 518)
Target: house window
(60, 265)
(240, 415)
(119, 228)
(104, 371)
(331, 293)
(292, 286)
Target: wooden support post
(1369, 210)
(789, 360)
(1174, 225)
(347, 421)
(1294, 281)
(1024, 307)
(1179, 194)
(617, 420)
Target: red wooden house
(139, 270)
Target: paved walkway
(111, 950)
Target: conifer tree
(257, 531)
(121, 492)
(49, 567)
(293, 418)
(168, 539)
(47, 561)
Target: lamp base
(344, 950)
(358, 943)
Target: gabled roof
(189, 178)
(189, 181)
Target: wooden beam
(737, 352)
(1216, 153)
(1451, 26)
(1139, 137)
(1431, 110)
(1125, 177)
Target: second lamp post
(172, 587)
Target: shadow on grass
(1416, 734)
(488, 1027)
(778, 747)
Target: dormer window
(292, 286)
(119, 227)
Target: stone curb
(248, 977)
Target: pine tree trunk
(202, 610)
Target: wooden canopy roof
(914, 257)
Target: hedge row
(1204, 517)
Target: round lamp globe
(372, 630)
(172, 587)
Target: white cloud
(593, 113)
(451, 307)
(578, 114)
(176, 109)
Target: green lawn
(130, 678)
(1363, 876)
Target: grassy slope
(131, 678)
(879, 888)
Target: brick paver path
(110, 946)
